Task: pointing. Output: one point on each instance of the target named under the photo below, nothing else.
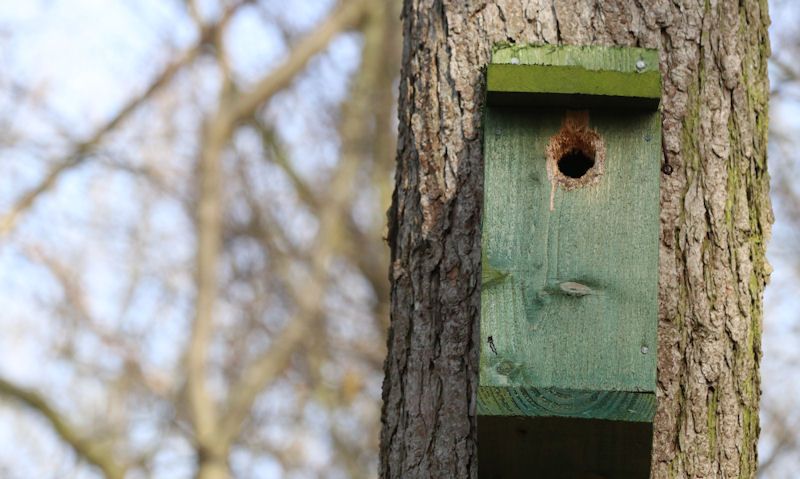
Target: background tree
(715, 218)
(190, 283)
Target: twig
(345, 17)
(81, 151)
(94, 454)
(309, 297)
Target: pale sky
(86, 57)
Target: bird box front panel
(569, 307)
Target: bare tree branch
(75, 297)
(81, 151)
(95, 454)
(203, 409)
(330, 238)
(303, 276)
(346, 16)
(209, 213)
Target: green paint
(603, 237)
(569, 293)
(574, 76)
(572, 80)
(490, 275)
(555, 402)
(622, 59)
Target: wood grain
(560, 353)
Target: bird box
(569, 293)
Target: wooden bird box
(569, 298)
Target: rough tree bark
(715, 219)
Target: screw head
(640, 64)
(645, 349)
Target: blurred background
(192, 212)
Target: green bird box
(569, 294)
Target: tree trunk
(715, 219)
